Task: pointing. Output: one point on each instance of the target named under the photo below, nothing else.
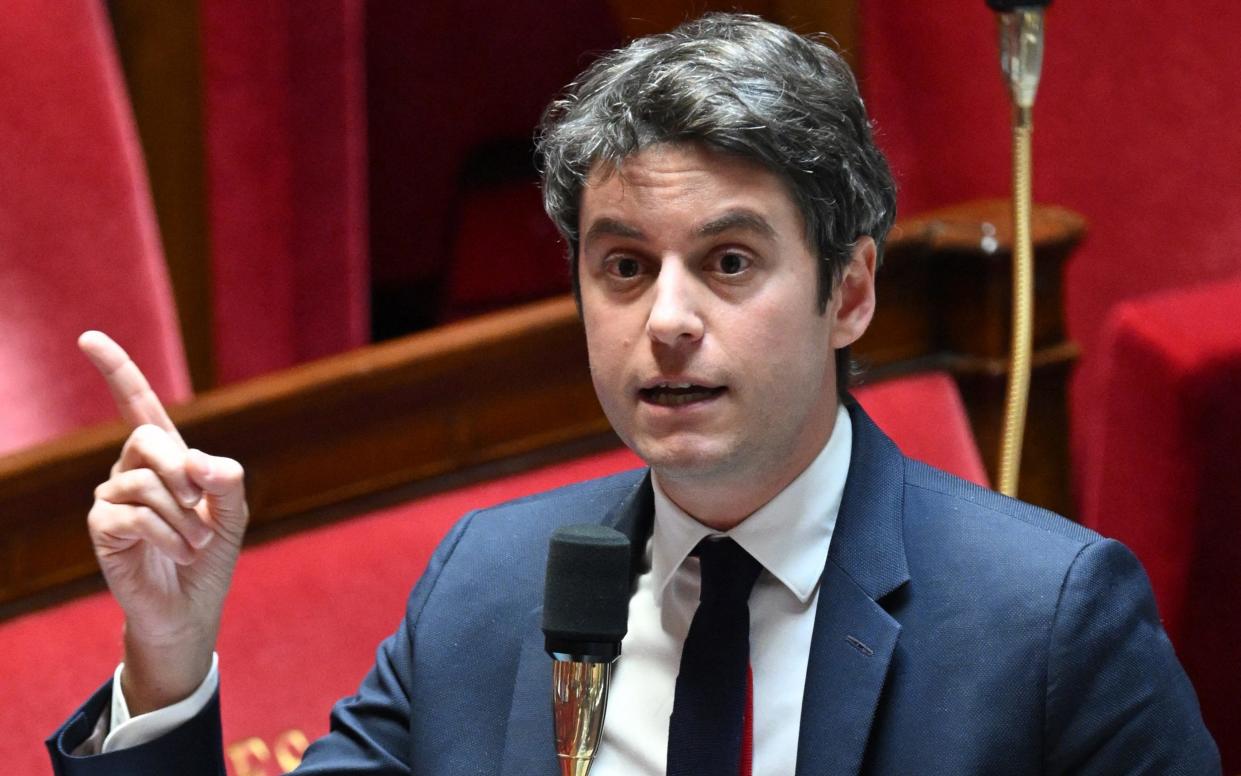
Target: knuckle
(136, 446)
(115, 488)
(230, 470)
(137, 484)
(99, 517)
(147, 482)
(105, 518)
(134, 477)
(146, 434)
(143, 516)
(150, 491)
(150, 440)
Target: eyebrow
(612, 227)
(745, 220)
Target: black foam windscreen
(1003, 6)
(586, 595)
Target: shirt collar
(789, 535)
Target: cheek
(786, 326)
(791, 351)
(606, 347)
(610, 329)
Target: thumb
(223, 484)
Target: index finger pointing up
(132, 393)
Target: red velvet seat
(1162, 473)
(531, 266)
(480, 74)
(926, 418)
(79, 245)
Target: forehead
(689, 178)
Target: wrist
(158, 674)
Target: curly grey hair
(742, 85)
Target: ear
(853, 300)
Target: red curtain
(285, 136)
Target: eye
(623, 270)
(626, 267)
(732, 263)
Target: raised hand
(167, 528)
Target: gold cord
(1018, 393)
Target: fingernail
(204, 539)
(189, 500)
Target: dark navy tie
(708, 716)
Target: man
(725, 209)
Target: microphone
(585, 616)
(1021, 49)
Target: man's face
(707, 348)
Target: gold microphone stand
(1021, 58)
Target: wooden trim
(329, 432)
(945, 302)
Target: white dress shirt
(789, 537)
(117, 730)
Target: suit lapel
(529, 746)
(635, 517)
(854, 637)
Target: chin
(685, 459)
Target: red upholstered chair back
(1162, 473)
(79, 246)
(925, 416)
(477, 75)
(531, 266)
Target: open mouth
(678, 394)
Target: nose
(675, 317)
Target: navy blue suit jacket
(957, 632)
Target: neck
(722, 501)
(721, 508)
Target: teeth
(677, 399)
(675, 395)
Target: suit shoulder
(586, 491)
(539, 513)
(953, 504)
(980, 562)
(505, 546)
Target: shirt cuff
(129, 731)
